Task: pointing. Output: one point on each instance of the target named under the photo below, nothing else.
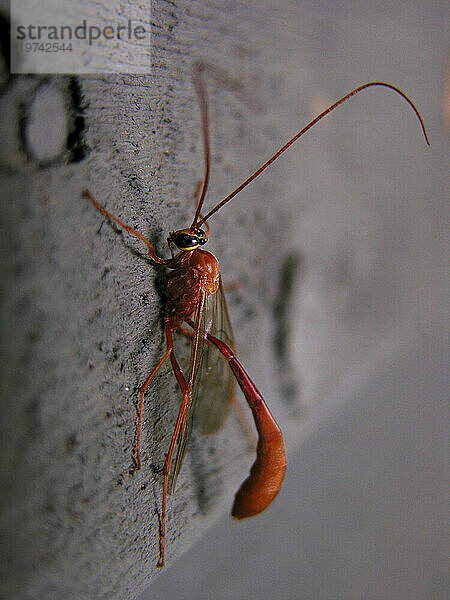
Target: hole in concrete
(45, 128)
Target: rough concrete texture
(81, 310)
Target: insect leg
(141, 403)
(244, 423)
(181, 417)
(267, 472)
(151, 249)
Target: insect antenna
(203, 101)
(304, 130)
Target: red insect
(196, 297)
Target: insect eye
(185, 241)
(201, 236)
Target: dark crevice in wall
(5, 53)
(76, 146)
(289, 273)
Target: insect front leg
(151, 249)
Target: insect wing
(212, 379)
(196, 370)
(216, 387)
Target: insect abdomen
(265, 479)
(267, 472)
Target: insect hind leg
(141, 402)
(244, 423)
(180, 419)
